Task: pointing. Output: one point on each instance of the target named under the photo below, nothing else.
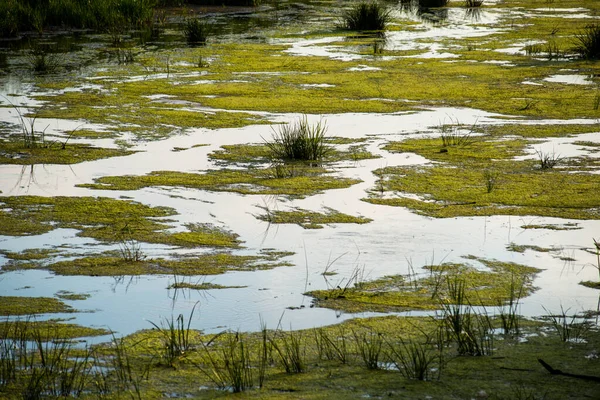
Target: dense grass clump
(588, 42)
(196, 31)
(432, 3)
(39, 15)
(299, 141)
(366, 16)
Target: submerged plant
(587, 43)
(299, 141)
(473, 3)
(366, 16)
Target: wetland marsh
(141, 199)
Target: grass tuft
(366, 16)
(299, 141)
(587, 43)
(197, 31)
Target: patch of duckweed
(67, 295)
(569, 226)
(31, 329)
(107, 220)
(492, 286)
(521, 248)
(16, 153)
(540, 131)
(201, 286)
(13, 305)
(202, 264)
(261, 154)
(30, 254)
(310, 219)
(242, 153)
(294, 180)
(591, 284)
(481, 178)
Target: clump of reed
(197, 31)
(299, 141)
(39, 15)
(175, 337)
(587, 43)
(366, 16)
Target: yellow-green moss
(46, 330)
(305, 181)
(201, 286)
(67, 295)
(105, 219)
(203, 264)
(310, 219)
(481, 178)
(512, 372)
(493, 286)
(16, 153)
(13, 305)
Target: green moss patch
(204, 264)
(491, 287)
(521, 248)
(333, 366)
(66, 295)
(16, 153)
(481, 178)
(291, 180)
(13, 305)
(105, 219)
(591, 284)
(261, 154)
(30, 254)
(46, 330)
(201, 286)
(310, 219)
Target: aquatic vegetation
(548, 159)
(306, 181)
(66, 295)
(488, 288)
(473, 3)
(123, 222)
(588, 42)
(366, 16)
(203, 264)
(309, 219)
(175, 337)
(13, 305)
(53, 153)
(197, 31)
(299, 141)
(520, 189)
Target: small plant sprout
(129, 248)
(490, 177)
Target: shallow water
(390, 244)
